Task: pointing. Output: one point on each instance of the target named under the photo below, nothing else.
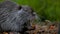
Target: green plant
(50, 9)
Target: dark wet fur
(13, 21)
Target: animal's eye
(25, 9)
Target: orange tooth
(5, 33)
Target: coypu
(15, 18)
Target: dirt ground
(46, 27)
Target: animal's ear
(19, 7)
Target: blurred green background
(50, 9)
